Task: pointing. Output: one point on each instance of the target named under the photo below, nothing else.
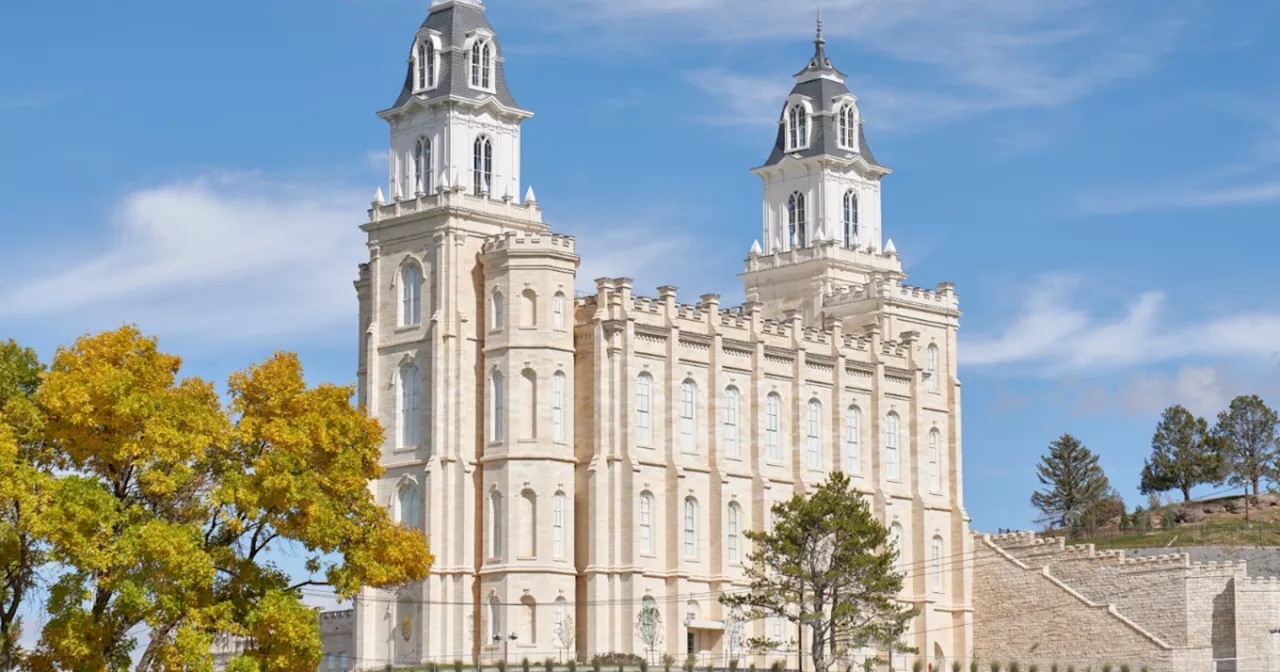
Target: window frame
(935, 563)
(935, 461)
(813, 435)
(558, 384)
(410, 406)
(413, 505)
(422, 168)
(892, 437)
(482, 62)
(853, 439)
(557, 310)
(851, 219)
(645, 535)
(797, 127)
(497, 407)
(690, 528)
(644, 409)
(932, 360)
(797, 221)
(411, 280)
(689, 416)
(773, 428)
(496, 546)
(482, 166)
(558, 502)
(731, 421)
(732, 528)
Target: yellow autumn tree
(167, 504)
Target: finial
(755, 248)
(378, 199)
(820, 23)
(890, 248)
(529, 196)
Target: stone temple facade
(576, 457)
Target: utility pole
(800, 634)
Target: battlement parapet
(942, 297)
(521, 241)
(1057, 546)
(508, 208)
(826, 249)
(345, 614)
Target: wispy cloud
(1053, 335)
(27, 100)
(1181, 196)
(231, 257)
(966, 57)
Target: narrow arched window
(482, 167)
(495, 619)
(935, 466)
(731, 411)
(646, 523)
(935, 563)
(649, 621)
(895, 545)
(891, 466)
(409, 505)
(797, 127)
(557, 406)
(562, 611)
(557, 525)
(772, 427)
(481, 64)
(422, 165)
(497, 407)
(495, 524)
(796, 220)
(813, 437)
(932, 367)
(410, 405)
(431, 64)
(690, 528)
(411, 295)
(853, 440)
(850, 219)
(688, 416)
(644, 410)
(735, 514)
(529, 421)
(847, 128)
(557, 311)
(529, 619)
(496, 308)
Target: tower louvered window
(850, 219)
(796, 217)
(482, 169)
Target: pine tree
(1074, 484)
(1182, 456)
(1246, 433)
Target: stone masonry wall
(1026, 615)
(1257, 620)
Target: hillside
(1211, 522)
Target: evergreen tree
(1074, 484)
(1246, 433)
(1182, 456)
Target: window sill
(526, 558)
(406, 449)
(406, 328)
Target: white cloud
(1204, 390)
(1052, 335)
(964, 57)
(228, 256)
(1179, 197)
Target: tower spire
(820, 60)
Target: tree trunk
(1186, 493)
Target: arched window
(932, 367)
(649, 621)
(731, 405)
(688, 416)
(557, 525)
(796, 220)
(644, 410)
(410, 405)
(482, 168)
(850, 219)
(495, 619)
(530, 312)
(557, 406)
(557, 311)
(847, 128)
(425, 71)
(935, 563)
(797, 127)
(495, 524)
(813, 437)
(497, 407)
(481, 65)
(853, 440)
(772, 427)
(529, 619)
(422, 165)
(891, 466)
(496, 307)
(895, 544)
(529, 523)
(529, 413)
(411, 295)
(409, 505)
(562, 610)
(646, 523)
(935, 458)
(690, 528)
(735, 514)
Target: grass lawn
(1223, 533)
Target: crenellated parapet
(454, 199)
(829, 250)
(513, 241)
(943, 297)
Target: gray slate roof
(453, 23)
(823, 137)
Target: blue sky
(1099, 178)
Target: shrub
(1033, 668)
(917, 666)
(667, 661)
(457, 666)
(751, 667)
(644, 665)
(502, 666)
(524, 664)
(1106, 667)
(1124, 667)
(733, 665)
(1071, 668)
(549, 664)
(573, 665)
(709, 668)
(1013, 667)
(973, 666)
(995, 666)
(690, 663)
(597, 664)
(1053, 667)
(776, 666)
(955, 666)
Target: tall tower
(465, 359)
(822, 217)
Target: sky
(1100, 178)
